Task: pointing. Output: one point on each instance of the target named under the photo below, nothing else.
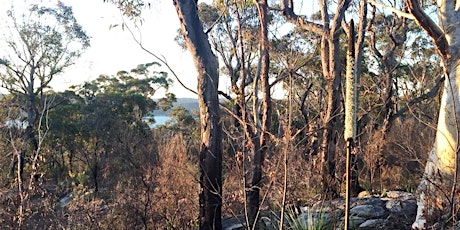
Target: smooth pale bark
(437, 190)
(440, 169)
(207, 67)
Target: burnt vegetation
(89, 158)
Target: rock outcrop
(395, 210)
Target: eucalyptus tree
(91, 119)
(388, 52)
(442, 166)
(396, 87)
(436, 194)
(232, 28)
(387, 42)
(207, 66)
(40, 44)
(240, 36)
(329, 30)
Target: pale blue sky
(114, 49)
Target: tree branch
(288, 12)
(433, 30)
(392, 9)
(430, 94)
(161, 59)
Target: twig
(162, 59)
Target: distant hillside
(189, 104)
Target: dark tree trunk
(206, 65)
(260, 136)
(330, 138)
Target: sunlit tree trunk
(207, 67)
(438, 185)
(436, 194)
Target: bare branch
(433, 30)
(288, 12)
(339, 15)
(162, 59)
(430, 94)
(392, 9)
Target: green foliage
(79, 178)
(181, 117)
(42, 43)
(94, 118)
(63, 15)
(131, 8)
(167, 101)
(309, 220)
(97, 138)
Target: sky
(113, 49)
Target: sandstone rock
(372, 224)
(400, 195)
(329, 206)
(375, 201)
(404, 207)
(364, 194)
(368, 211)
(354, 221)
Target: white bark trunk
(439, 176)
(438, 184)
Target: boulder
(368, 211)
(402, 207)
(354, 221)
(372, 224)
(364, 194)
(400, 195)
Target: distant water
(159, 120)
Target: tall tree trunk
(260, 137)
(437, 190)
(333, 122)
(436, 194)
(330, 137)
(206, 65)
